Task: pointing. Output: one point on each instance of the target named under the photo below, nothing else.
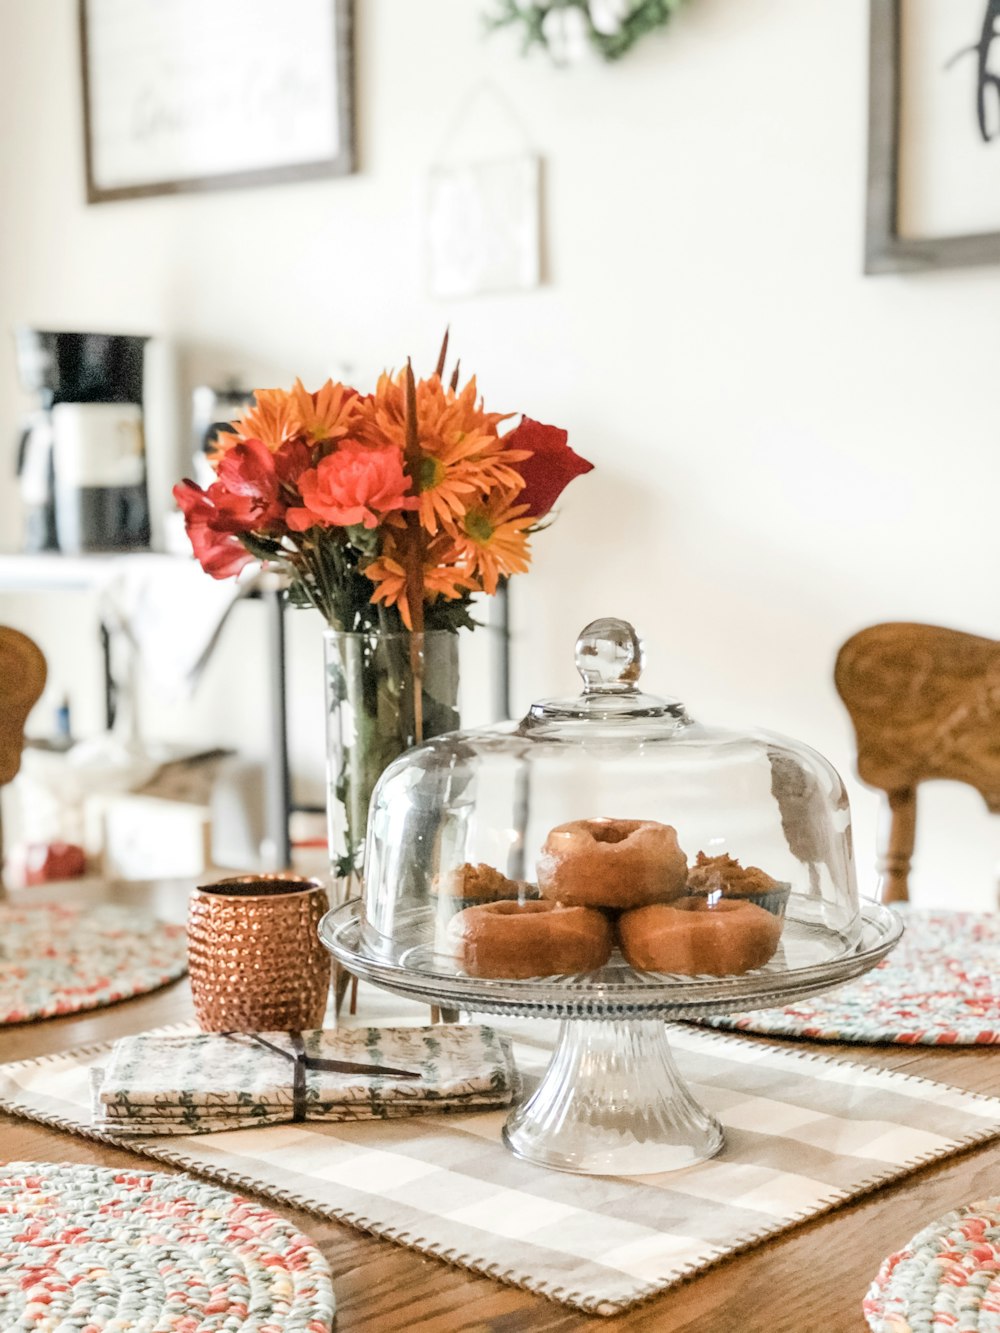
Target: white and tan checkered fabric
(803, 1134)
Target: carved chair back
(925, 703)
(22, 679)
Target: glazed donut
(619, 863)
(534, 939)
(694, 937)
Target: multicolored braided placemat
(57, 959)
(947, 1276)
(88, 1248)
(940, 986)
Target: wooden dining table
(809, 1280)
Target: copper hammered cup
(254, 954)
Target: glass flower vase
(384, 693)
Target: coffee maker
(82, 456)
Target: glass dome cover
(671, 824)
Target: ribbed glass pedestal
(613, 1103)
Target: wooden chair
(22, 679)
(925, 703)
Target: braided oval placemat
(90, 1248)
(59, 959)
(947, 1276)
(940, 986)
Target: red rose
(551, 467)
(353, 485)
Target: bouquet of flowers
(386, 510)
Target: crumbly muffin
(725, 872)
(480, 884)
(724, 875)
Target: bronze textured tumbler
(255, 958)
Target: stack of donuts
(616, 882)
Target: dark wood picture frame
(885, 250)
(343, 163)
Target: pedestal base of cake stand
(612, 1102)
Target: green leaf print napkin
(198, 1083)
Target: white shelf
(50, 570)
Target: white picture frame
(484, 226)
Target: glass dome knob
(609, 657)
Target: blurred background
(785, 450)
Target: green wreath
(612, 27)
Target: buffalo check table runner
(804, 1133)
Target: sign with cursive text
(188, 95)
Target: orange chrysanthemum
(462, 454)
(329, 414)
(443, 576)
(491, 538)
(273, 419)
(277, 416)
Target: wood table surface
(811, 1280)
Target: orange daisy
(327, 415)
(442, 575)
(491, 538)
(462, 454)
(273, 419)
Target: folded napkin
(198, 1083)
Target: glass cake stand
(611, 1101)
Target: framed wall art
(933, 135)
(484, 226)
(184, 95)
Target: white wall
(786, 450)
